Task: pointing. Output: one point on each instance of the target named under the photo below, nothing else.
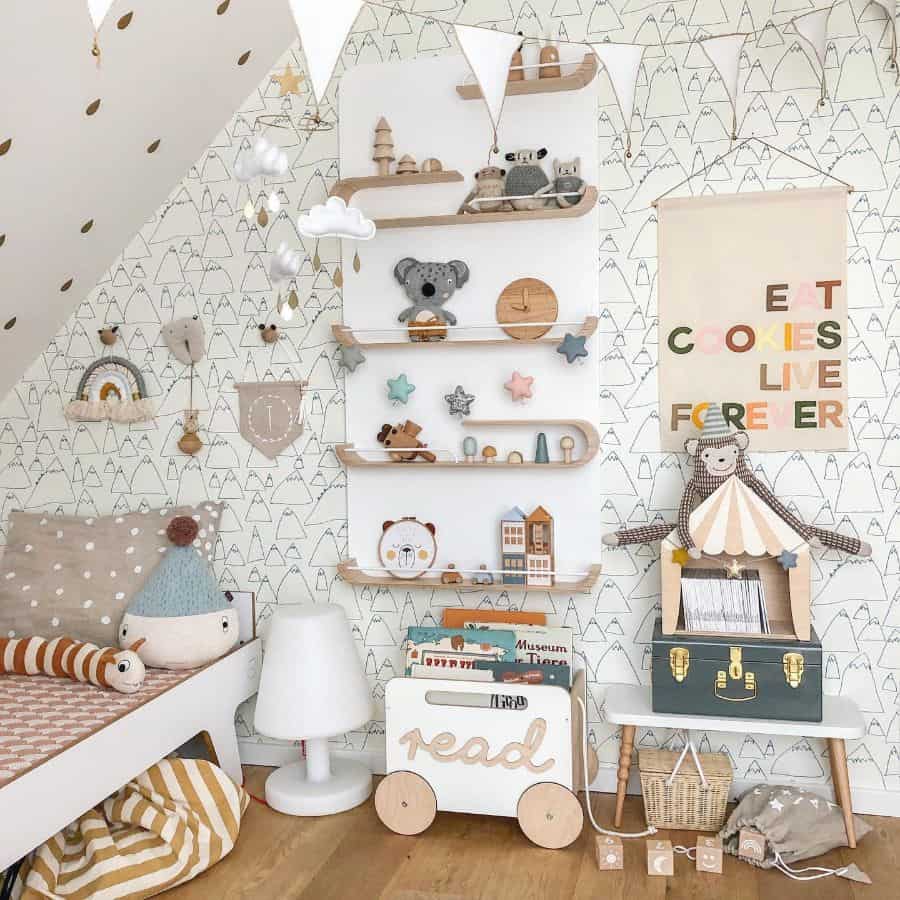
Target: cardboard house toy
(512, 546)
(539, 549)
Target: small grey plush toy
(568, 178)
(429, 285)
(527, 179)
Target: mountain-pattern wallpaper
(285, 527)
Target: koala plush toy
(567, 177)
(526, 179)
(429, 285)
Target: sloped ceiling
(166, 84)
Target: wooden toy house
(733, 523)
(512, 546)
(539, 548)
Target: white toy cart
(484, 747)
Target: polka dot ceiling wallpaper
(284, 528)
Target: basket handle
(689, 745)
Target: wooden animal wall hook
(269, 333)
(108, 335)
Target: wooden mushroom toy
(567, 443)
(489, 453)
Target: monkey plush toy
(718, 454)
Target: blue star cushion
(572, 347)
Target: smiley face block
(709, 854)
(609, 852)
(660, 858)
(752, 845)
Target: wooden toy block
(709, 854)
(752, 845)
(660, 858)
(609, 852)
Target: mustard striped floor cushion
(169, 824)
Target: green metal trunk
(738, 676)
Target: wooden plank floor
(352, 856)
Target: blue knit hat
(182, 584)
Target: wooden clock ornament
(526, 300)
(407, 548)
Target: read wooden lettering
(476, 751)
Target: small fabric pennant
(725, 54)
(622, 63)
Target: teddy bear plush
(489, 183)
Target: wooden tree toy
(548, 56)
(470, 448)
(660, 858)
(609, 852)
(709, 854)
(407, 165)
(516, 72)
(384, 147)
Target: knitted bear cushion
(67, 575)
(180, 613)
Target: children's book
(454, 651)
(525, 673)
(536, 644)
(460, 617)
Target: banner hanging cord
(734, 150)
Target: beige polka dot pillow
(67, 576)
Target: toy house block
(539, 548)
(709, 854)
(609, 852)
(512, 546)
(660, 858)
(752, 845)
(735, 522)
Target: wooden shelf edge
(347, 187)
(346, 568)
(344, 335)
(575, 81)
(583, 207)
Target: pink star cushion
(519, 386)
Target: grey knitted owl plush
(526, 179)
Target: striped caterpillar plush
(65, 657)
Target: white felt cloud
(285, 264)
(263, 158)
(336, 219)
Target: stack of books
(486, 646)
(714, 601)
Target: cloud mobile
(335, 219)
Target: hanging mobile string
(95, 50)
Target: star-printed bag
(796, 824)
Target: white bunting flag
(98, 10)
(622, 63)
(488, 53)
(323, 30)
(813, 28)
(890, 7)
(725, 54)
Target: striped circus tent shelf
(735, 520)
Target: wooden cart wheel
(405, 802)
(550, 815)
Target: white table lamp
(313, 687)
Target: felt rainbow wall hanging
(111, 389)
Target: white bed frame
(47, 798)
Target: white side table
(629, 706)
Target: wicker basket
(684, 803)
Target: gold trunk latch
(679, 662)
(793, 668)
(735, 667)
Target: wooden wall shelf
(347, 187)
(345, 336)
(575, 81)
(353, 458)
(348, 569)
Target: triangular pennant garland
(622, 63)
(488, 53)
(813, 28)
(725, 54)
(323, 33)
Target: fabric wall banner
(753, 315)
(271, 414)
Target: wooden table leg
(837, 751)
(624, 769)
